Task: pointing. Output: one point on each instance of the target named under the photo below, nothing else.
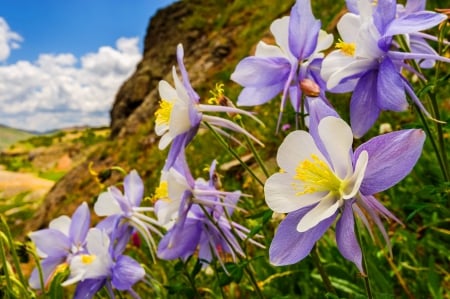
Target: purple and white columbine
(103, 264)
(57, 245)
(201, 221)
(125, 208)
(282, 68)
(368, 62)
(181, 114)
(321, 177)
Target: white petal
(97, 242)
(337, 138)
(280, 30)
(62, 223)
(295, 148)
(182, 95)
(326, 208)
(166, 91)
(176, 184)
(280, 193)
(345, 67)
(324, 41)
(106, 205)
(179, 120)
(160, 129)
(348, 26)
(265, 50)
(358, 175)
(165, 140)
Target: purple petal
(346, 239)
(414, 22)
(352, 6)
(391, 157)
(88, 288)
(126, 273)
(52, 242)
(384, 14)
(415, 5)
(184, 74)
(318, 109)
(134, 188)
(303, 30)
(261, 71)
(48, 267)
(79, 226)
(181, 241)
(253, 96)
(290, 246)
(364, 110)
(390, 90)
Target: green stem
(13, 252)
(39, 268)
(191, 281)
(323, 273)
(255, 153)
(5, 263)
(364, 265)
(439, 147)
(216, 273)
(233, 152)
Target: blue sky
(61, 62)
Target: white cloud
(8, 40)
(60, 90)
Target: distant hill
(9, 136)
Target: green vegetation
(9, 136)
(418, 266)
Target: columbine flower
(368, 62)
(102, 265)
(57, 245)
(125, 207)
(321, 177)
(204, 227)
(180, 113)
(281, 68)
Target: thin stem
(4, 262)
(191, 281)
(233, 152)
(253, 280)
(364, 265)
(255, 153)
(439, 147)
(216, 273)
(321, 269)
(39, 269)
(13, 251)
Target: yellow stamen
(217, 93)
(87, 259)
(346, 48)
(162, 191)
(163, 113)
(316, 176)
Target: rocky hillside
(215, 36)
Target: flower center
(162, 192)
(346, 48)
(87, 259)
(163, 113)
(316, 176)
(217, 95)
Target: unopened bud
(309, 88)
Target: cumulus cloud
(8, 40)
(60, 90)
